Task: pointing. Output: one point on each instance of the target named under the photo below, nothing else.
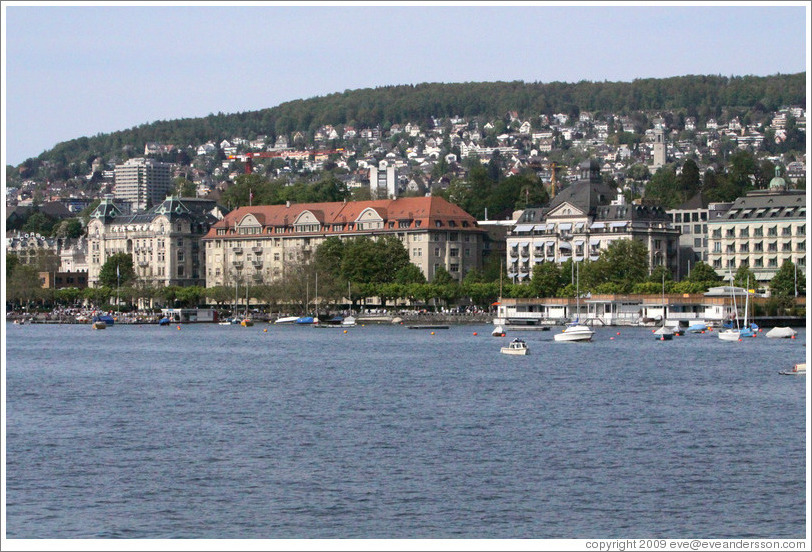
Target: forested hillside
(696, 96)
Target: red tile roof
(427, 210)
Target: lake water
(384, 432)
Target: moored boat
(664, 333)
(516, 347)
(781, 332)
(797, 370)
(498, 331)
(575, 332)
(286, 320)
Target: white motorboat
(797, 370)
(784, 332)
(516, 347)
(575, 332)
(348, 321)
(287, 320)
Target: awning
(578, 257)
(564, 245)
(549, 243)
(618, 224)
(597, 225)
(524, 244)
(579, 226)
(579, 242)
(594, 257)
(565, 226)
(594, 241)
(523, 228)
(541, 228)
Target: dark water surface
(384, 432)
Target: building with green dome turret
(761, 231)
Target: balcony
(257, 250)
(237, 250)
(257, 263)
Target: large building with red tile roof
(259, 241)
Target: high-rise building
(142, 183)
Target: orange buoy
(474, 333)
(345, 331)
(265, 330)
(178, 327)
(662, 339)
(611, 338)
(618, 333)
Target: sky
(80, 69)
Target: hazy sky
(83, 69)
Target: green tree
(117, 270)
(624, 263)
(442, 277)
(546, 279)
(69, 228)
(24, 285)
(703, 272)
(744, 277)
(12, 261)
(784, 282)
(185, 188)
(410, 274)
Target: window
(786, 231)
(453, 236)
(786, 247)
(731, 233)
(454, 252)
(772, 247)
(744, 233)
(758, 231)
(454, 267)
(717, 263)
(759, 262)
(731, 263)
(697, 242)
(180, 271)
(467, 252)
(697, 228)
(772, 262)
(744, 248)
(772, 231)
(717, 233)
(802, 246)
(717, 247)
(180, 256)
(758, 247)
(695, 217)
(436, 251)
(802, 230)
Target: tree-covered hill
(697, 96)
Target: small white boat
(797, 370)
(783, 332)
(516, 347)
(575, 332)
(729, 335)
(348, 321)
(287, 320)
(498, 331)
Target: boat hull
(574, 333)
(729, 335)
(509, 351)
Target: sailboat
(664, 333)
(575, 331)
(731, 334)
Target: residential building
(382, 181)
(583, 219)
(266, 240)
(141, 183)
(760, 231)
(164, 242)
(691, 220)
